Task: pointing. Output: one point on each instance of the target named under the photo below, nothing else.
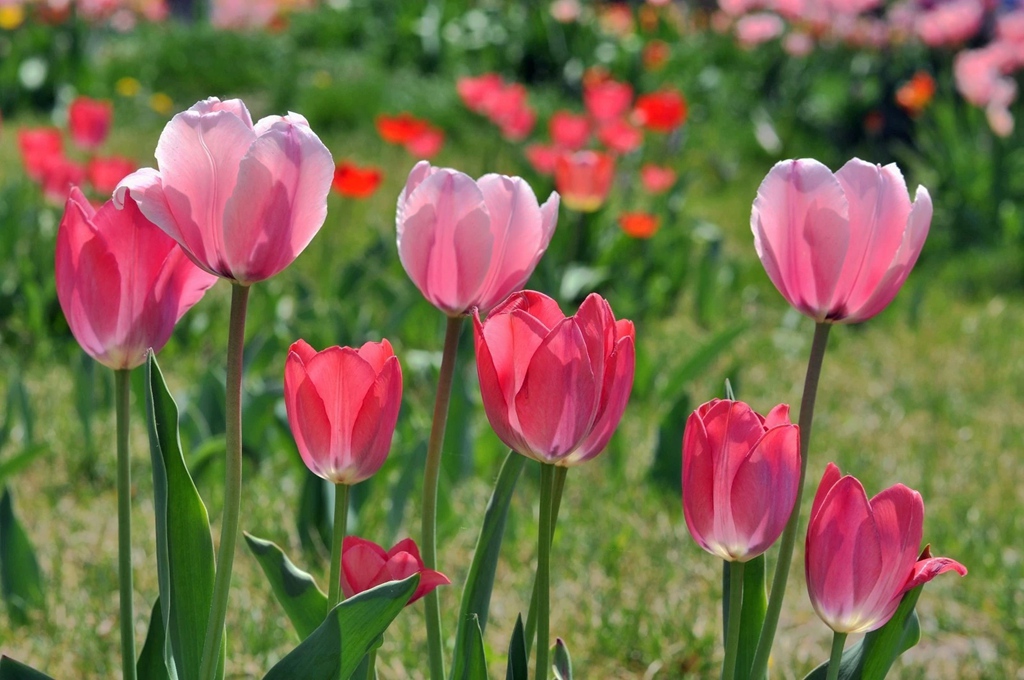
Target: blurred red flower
(356, 182)
(427, 143)
(400, 129)
(89, 121)
(639, 224)
(543, 157)
(607, 99)
(656, 178)
(105, 172)
(655, 54)
(620, 136)
(37, 145)
(475, 92)
(568, 130)
(915, 94)
(661, 111)
(583, 179)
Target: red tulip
(105, 174)
(568, 130)
(639, 224)
(862, 555)
(607, 100)
(838, 247)
(356, 182)
(467, 243)
(89, 120)
(619, 136)
(37, 146)
(365, 565)
(740, 476)
(121, 282)
(554, 387)
(342, 406)
(243, 200)
(662, 111)
(584, 178)
(400, 129)
(657, 179)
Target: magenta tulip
(554, 387)
(121, 282)
(741, 471)
(467, 243)
(838, 246)
(366, 565)
(862, 555)
(342, 406)
(243, 200)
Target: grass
(928, 394)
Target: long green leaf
(15, 670)
(476, 594)
(518, 660)
(185, 561)
(151, 664)
(353, 628)
(755, 604)
(873, 656)
(20, 461)
(21, 581)
(303, 602)
(475, 663)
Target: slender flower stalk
(547, 484)
(556, 502)
(759, 668)
(732, 636)
(341, 493)
(430, 479)
(122, 384)
(834, 660)
(232, 482)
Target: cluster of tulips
(237, 200)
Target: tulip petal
(362, 564)
(374, 425)
(801, 233)
(898, 515)
(927, 569)
(597, 324)
(342, 379)
(698, 488)
(618, 383)
(277, 205)
(828, 480)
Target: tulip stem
(430, 478)
(556, 502)
(732, 635)
(836, 658)
(759, 667)
(547, 487)
(122, 390)
(232, 484)
(340, 522)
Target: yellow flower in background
(11, 16)
(127, 86)
(161, 103)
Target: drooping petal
(927, 569)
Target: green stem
(759, 667)
(732, 636)
(232, 484)
(431, 475)
(122, 387)
(556, 502)
(547, 487)
(341, 492)
(372, 672)
(836, 658)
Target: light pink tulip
(243, 200)
(838, 247)
(554, 387)
(342, 406)
(862, 556)
(467, 243)
(121, 282)
(740, 476)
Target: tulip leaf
(561, 661)
(518, 659)
(873, 656)
(474, 663)
(15, 670)
(351, 630)
(151, 664)
(303, 602)
(476, 595)
(754, 607)
(184, 546)
(20, 461)
(21, 581)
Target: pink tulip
(365, 565)
(554, 387)
(838, 247)
(121, 282)
(862, 556)
(584, 178)
(342, 406)
(607, 100)
(89, 121)
(468, 243)
(568, 130)
(741, 471)
(243, 200)
(37, 147)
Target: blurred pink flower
(754, 29)
(568, 130)
(89, 121)
(608, 99)
(950, 23)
